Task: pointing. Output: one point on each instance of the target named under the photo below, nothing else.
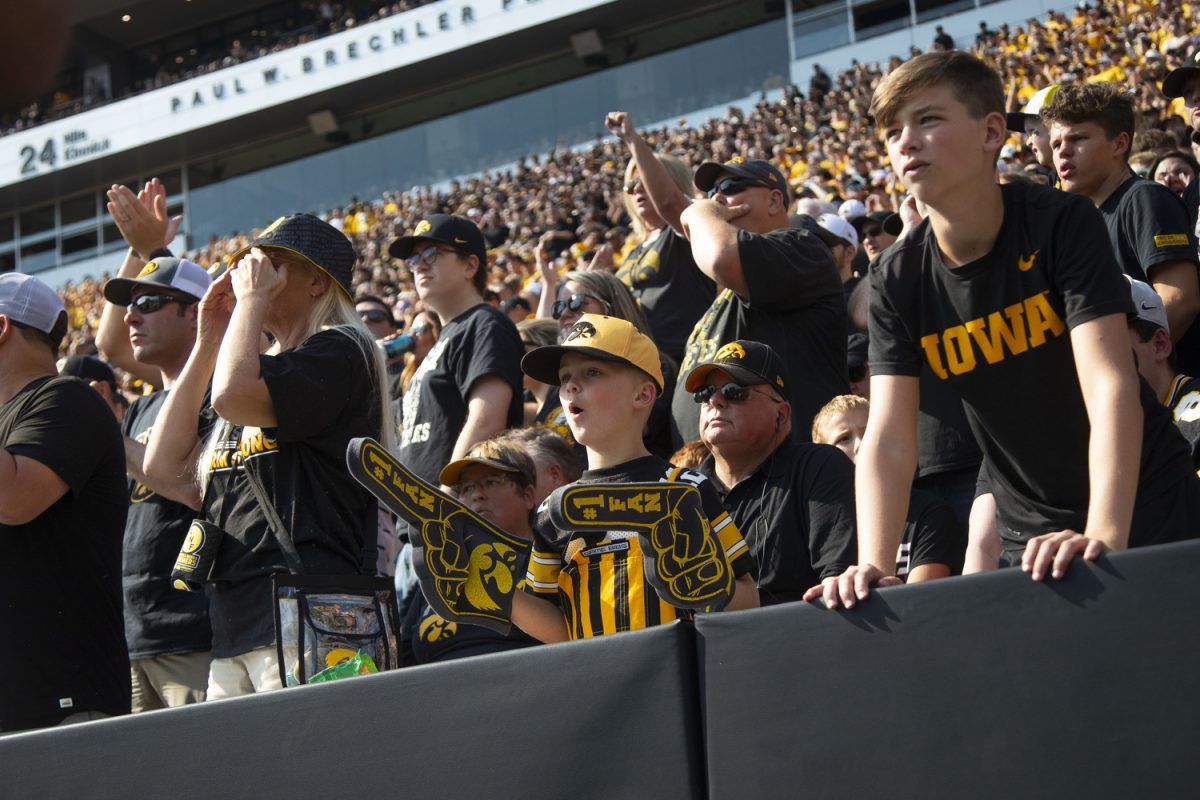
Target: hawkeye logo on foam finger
(1019, 327)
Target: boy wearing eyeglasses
(793, 501)
(498, 481)
(465, 389)
(776, 285)
(579, 586)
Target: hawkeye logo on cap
(581, 330)
(149, 268)
(422, 227)
(736, 160)
(272, 226)
(731, 350)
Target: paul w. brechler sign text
(360, 52)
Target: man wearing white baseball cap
(62, 515)
(842, 239)
(150, 323)
(1150, 336)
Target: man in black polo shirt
(62, 515)
(778, 285)
(794, 502)
(1091, 128)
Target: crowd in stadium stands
(692, 328)
(153, 70)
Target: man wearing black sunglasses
(778, 285)
(793, 501)
(152, 317)
(467, 388)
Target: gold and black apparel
(324, 395)
(60, 573)
(673, 291)
(997, 331)
(159, 619)
(598, 580)
(1149, 226)
(1183, 399)
(796, 512)
(795, 304)
(427, 638)
(479, 342)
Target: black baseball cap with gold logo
(1172, 85)
(458, 232)
(312, 239)
(606, 338)
(764, 173)
(748, 363)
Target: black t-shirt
(1183, 400)
(997, 331)
(324, 394)
(1149, 226)
(796, 512)
(427, 638)
(479, 342)
(796, 306)
(664, 277)
(60, 574)
(932, 535)
(944, 439)
(159, 619)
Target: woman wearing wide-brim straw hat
(283, 417)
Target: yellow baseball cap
(594, 335)
(490, 453)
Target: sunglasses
(574, 303)
(427, 256)
(730, 391)
(373, 315)
(149, 303)
(632, 186)
(856, 373)
(732, 186)
(867, 233)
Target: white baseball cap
(25, 299)
(183, 276)
(1147, 305)
(852, 209)
(839, 227)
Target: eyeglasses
(149, 303)
(574, 303)
(486, 485)
(373, 315)
(732, 186)
(731, 392)
(632, 186)
(427, 256)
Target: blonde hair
(680, 174)
(333, 311)
(605, 286)
(839, 404)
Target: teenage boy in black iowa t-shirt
(1012, 296)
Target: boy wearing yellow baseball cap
(583, 585)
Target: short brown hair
(843, 402)
(1106, 104)
(976, 85)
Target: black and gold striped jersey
(598, 580)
